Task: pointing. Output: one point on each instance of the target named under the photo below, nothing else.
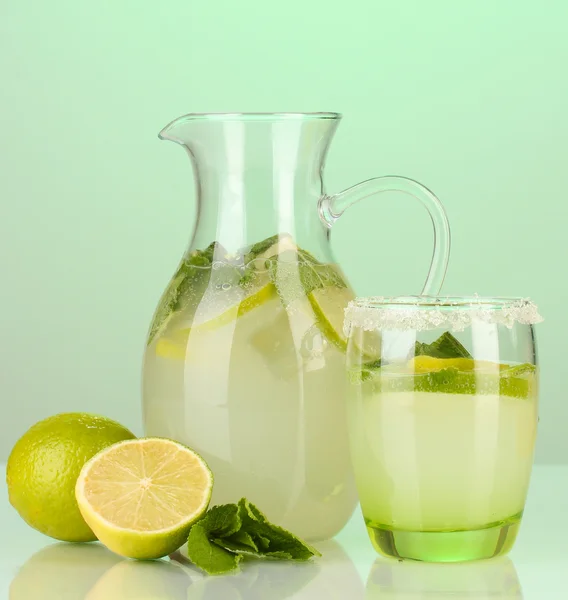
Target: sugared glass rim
(430, 312)
(445, 302)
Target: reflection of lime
(174, 344)
(61, 572)
(148, 580)
(140, 497)
(44, 465)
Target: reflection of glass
(245, 357)
(487, 580)
(333, 577)
(62, 572)
(443, 426)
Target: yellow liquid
(261, 398)
(437, 462)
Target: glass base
(445, 546)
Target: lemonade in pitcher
(245, 357)
(247, 352)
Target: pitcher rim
(262, 115)
(254, 116)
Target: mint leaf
(207, 555)
(193, 272)
(218, 541)
(518, 370)
(279, 540)
(446, 346)
(261, 247)
(296, 273)
(222, 520)
(245, 550)
(243, 538)
(190, 283)
(219, 521)
(366, 372)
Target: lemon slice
(453, 376)
(174, 345)
(140, 497)
(329, 305)
(429, 364)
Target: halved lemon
(140, 497)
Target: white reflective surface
(35, 567)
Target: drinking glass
(442, 422)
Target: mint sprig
(296, 273)
(228, 532)
(446, 346)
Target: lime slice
(329, 305)
(174, 345)
(428, 364)
(239, 307)
(140, 497)
(451, 376)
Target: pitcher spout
(255, 168)
(176, 130)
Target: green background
(468, 97)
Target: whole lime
(44, 465)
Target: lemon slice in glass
(140, 497)
(429, 364)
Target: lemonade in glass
(443, 425)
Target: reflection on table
(91, 572)
(333, 577)
(484, 580)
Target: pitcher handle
(332, 207)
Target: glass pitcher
(245, 357)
